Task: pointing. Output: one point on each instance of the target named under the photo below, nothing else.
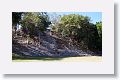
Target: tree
(34, 22)
(79, 28)
(99, 28)
(16, 17)
(70, 24)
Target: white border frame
(104, 67)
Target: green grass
(63, 59)
(36, 58)
(19, 58)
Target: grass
(63, 59)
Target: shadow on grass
(37, 58)
(40, 58)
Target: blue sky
(95, 16)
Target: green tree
(34, 22)
(99, 28)
(16, 17)
(70, 24)
(80, 29)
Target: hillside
(47, 46)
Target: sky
(95, 16)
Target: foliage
(99, 28)
(34, 22)
(16, 17)
(78, 28)
(74, 27)
(69, 24)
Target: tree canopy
(33, 22)
(80, 29)
(99, 28)
(16, 17)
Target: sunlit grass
(65, 59)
